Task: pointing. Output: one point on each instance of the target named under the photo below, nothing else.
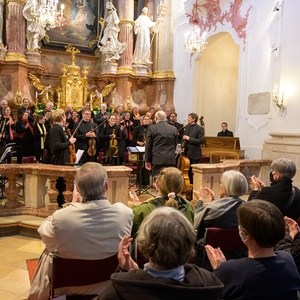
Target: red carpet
(31, 267)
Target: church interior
(234, 61)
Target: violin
(71, 149)
(113, 143)
(91, 151)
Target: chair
(228, 239)
(28, 160)
(78, 272)
(100, 157)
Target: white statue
(34, 31)
(110, 43)
(142, 27)
(1, 22)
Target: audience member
(221, 212)
(167, 239)
(291, 241)
(91, 229)
(160, 144)
(281, 192)
(169, 185)
(264, 274)
(225, 131)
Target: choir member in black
(129, 129)
(122, 146)
(68, 112)
(135, 117)
(25, 108)
(101, 120)
(119, 110)
(59, 144)
(139, 138)
(193, 138)
(85, 107)
(7, 127)
(86, 138)
(40, 132)
(173, 121)
(111, 136)
(48, 119)
(3, 105)
(72, 121)
(24, 137)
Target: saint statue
(110, 44)
(142, 27)
(1, 22)
(34, 31)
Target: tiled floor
(14, 250)
(14, 279)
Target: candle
(36, 95)
(91, 97)
(58, 95)
(62, 10)
(47, 96)
(34, 6)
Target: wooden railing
(39, 185)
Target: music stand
(139, 151)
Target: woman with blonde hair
(169, 184)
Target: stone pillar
(125, 12)
(15, 31)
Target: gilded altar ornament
(18, 99)
(107, 89)
(74, 86)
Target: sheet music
(78, 155)
(141, 149)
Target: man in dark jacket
(280, 193)
(160, 144)
(193, 138)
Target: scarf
(42, 130)
(177, 273)
(29, 126)
(11, 133)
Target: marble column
(15, 31)
(125, 11)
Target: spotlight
(277, 6)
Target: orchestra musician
(139, 139)
(86, 138)
(193, 137)
(59, 144)
(129, 129)
(111, 136)
(179, 126)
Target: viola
(113, 143)
(71, 149)
(92, 147)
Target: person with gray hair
(167, 239)
(90, 228)
(161, 140)
(281, 193)
(221, 212)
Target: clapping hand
(125, 260)
(291, 226)
(215, 256)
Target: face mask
(240, 233)
(271, 177)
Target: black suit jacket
(279, 194)
(161, 144)
(193, 146)
(225, 133)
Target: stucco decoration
(210, 14)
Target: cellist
(193, 137)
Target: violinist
(111, 137)
(86, 135)
(59, 144)
(193, 137)
(179, 126)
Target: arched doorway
(216, 83)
